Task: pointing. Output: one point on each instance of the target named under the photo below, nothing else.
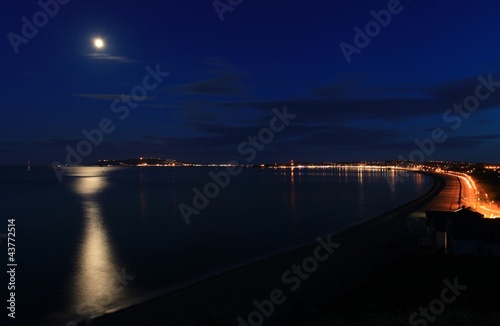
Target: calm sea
(106, 237)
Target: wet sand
(364, 250)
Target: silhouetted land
(411, 282)
(490, 181)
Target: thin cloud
(105, 97)
(109, 97)
(118, 58)
(227, 84)
(332, 103)
(224, 80)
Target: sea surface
(104, 238)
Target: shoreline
(165, 307)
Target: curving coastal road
(473, 196)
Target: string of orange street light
(475, 196)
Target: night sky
(225, 77)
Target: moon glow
(98, 43)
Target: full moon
(98, 43)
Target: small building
(480, 238)
(438, 225)
(435, 222)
